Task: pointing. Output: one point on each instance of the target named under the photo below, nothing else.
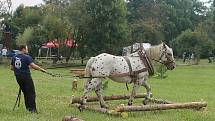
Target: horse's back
(109, 65)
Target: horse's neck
(153, 52)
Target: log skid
(106, 98)
(71, 118)
(78, 72)
(157, 104)
(100, 110)
(119, 97)
(192, 105)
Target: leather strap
(129, 64)
(128, 74)
(147, 62)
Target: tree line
(108, 25)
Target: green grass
(184, 84)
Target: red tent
(51, 44)
(69, 43)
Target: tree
(106, 25)
(144, 21)
(194, 42)
(5, 15)
(167, 18)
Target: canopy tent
(70, 43)
(54, 44)
(51, 44)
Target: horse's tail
(87, 68)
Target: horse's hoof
(151, 95)
(104, 106)
(145, 102)
(81, 108)
(129, 104)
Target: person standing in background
(4, 52)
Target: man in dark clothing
(20, 64)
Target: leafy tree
(144, 21)
(170, 18)
(26, 36)
(194, 42)
(106, 25)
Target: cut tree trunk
(119, 97)
(106, 98)
(71, 118)
(100, 110)
(191, 105)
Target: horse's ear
(164, 45)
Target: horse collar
(145, 59)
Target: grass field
(184, 84)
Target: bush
(161, 71)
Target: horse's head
(166, 56)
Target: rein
(164, 63)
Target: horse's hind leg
(88, 86)
(133, 93)
(98, 92)
(148, 90)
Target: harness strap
(147, 62)
(132, 73)
(131, 49)
(129, 64)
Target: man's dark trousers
(27, 86)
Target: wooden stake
(74, 84)
(191, 105)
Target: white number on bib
(18, 63)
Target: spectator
(4, 51)
(184, 57)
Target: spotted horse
(134, 68)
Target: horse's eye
(169, 54)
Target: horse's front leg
(148, 91)
(98, 91)
(134, 91)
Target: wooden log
(191, 105)
(71, 118)
(78, 72)
(100, 110)
(160, 101)
(119, 97)
(106, 98)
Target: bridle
(169, 61)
